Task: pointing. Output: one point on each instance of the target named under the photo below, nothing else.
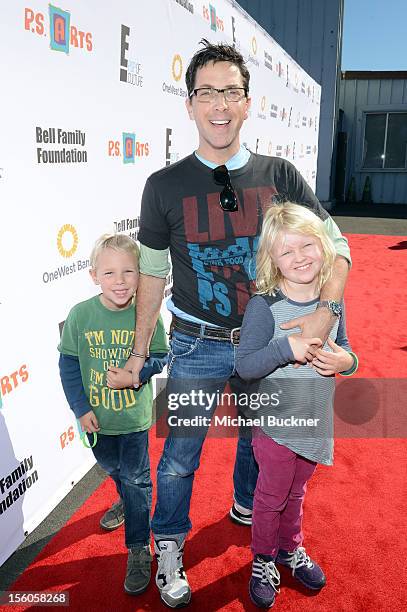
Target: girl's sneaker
(303, 568)
(264, 582)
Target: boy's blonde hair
(117, 242)
(289, 217)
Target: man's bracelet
(133, 354)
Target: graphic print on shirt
(108, 348)
(224, 256)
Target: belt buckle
(234, 341)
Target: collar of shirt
(238, 160)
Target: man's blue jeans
(200, 359)
(125, 458)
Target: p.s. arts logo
(261, 114)
(215, 22)
(283, 114)
(67, 241)
(128, 148)
(177, 68)
(66, 437)
(131, 70)
(10, 382)
(62, 34)
(279, 69)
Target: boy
(96, 342)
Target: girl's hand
(300, 346)
(118, 378)
(327, 363)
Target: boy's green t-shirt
(100, 337)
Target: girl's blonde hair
(117, 242)
(289, 217)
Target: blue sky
(375, 35)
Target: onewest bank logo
(61, 32)
(67, 244)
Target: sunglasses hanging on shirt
(227, 197)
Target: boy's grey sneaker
(114, 517)
(171, 579)
(239, 517)
(138, 570)
(303, 568)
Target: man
(209, 220)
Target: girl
(294, 260)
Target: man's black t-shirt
(213, 252)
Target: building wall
(356, 97)
(311, 32)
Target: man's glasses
(209, 94)
(227, 197)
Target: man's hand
(317, 324)
(135, 364)
(327, 363)
(300, 346)
(89, 422)
(119, 378)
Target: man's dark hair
(215, 53)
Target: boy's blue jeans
(125, 458)
(202, 360)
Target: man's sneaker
(138, 570)
(171, 579)
(238, 517)
(114, 517)
(264, 582)
(303, 568)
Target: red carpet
(355, 512)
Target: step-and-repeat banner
(92, 102)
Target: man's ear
(248, 105)
(93, 276)
(189, 108)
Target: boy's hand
(301, 346)
(135, 365)
(89, 422)
(327, 363)
(119, 378)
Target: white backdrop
(92, 102)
